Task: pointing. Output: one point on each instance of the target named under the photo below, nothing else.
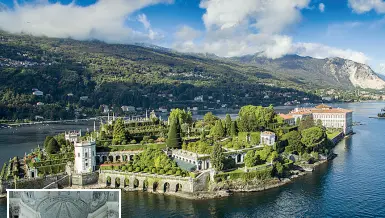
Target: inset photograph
(64, 203)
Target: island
(211, 157)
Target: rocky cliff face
(333, 72)
(360, 75)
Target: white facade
(85, 153)
(338, 120)
(72, 136)
(267, 138)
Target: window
(78, 154)
(86, 164)
(86, 155)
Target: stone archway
(145, 185)
(117, 158)
(111, 158)
(104, 159)
(126, 182)
(131, 157)
(136, 183)
(117, 182)
(108, 181)
(178, 188)
(155, 186)
(239, 158)
(125, 158)
(166, 187)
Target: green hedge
(51, 169)
(245, 176)
(2, 174)
(136, 147)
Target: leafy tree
(313, 137)
(265, 152)
(272, 157)
(306, 123)
(319, 123)
(217, 158)
(47, 139)
(53, 146)
(217, 131)
(181, 115)
(119, 134)
(228, 124)
(293, 141)
(209, 118)
(250, 159)
(279, 169)
(173, 137)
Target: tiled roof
(268, 133)
(286, 116)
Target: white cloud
(321, 7)
(323, 51)
(363, 6)
(143, 19)
(269, 16)
(256, 26)
(187, 33)
(104, 20)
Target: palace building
(330, 117)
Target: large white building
(85, 160)
(330, 117)
(267, 138)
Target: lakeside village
(190, 158)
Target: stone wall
(146, 182)
(85, 179)
(35, 183)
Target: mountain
(142, 76)
(332, 72)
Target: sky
(351, 29)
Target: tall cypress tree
(228, 124)
(119, 134)
(217, 158)
(233, 129)
(173, 137)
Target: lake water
(353, 184)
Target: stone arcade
(63, 203)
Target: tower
(85, 156)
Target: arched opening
(104, 159)
(178, 187)
(136, 183)
(108, 181)
(117, 158)
(125, 158)
(239, 158)
(131, 157)
(145, 185)
(155, 187)
(117, 182)
(126, 182)
(166, 187)
(111, 158)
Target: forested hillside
(116, 75)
